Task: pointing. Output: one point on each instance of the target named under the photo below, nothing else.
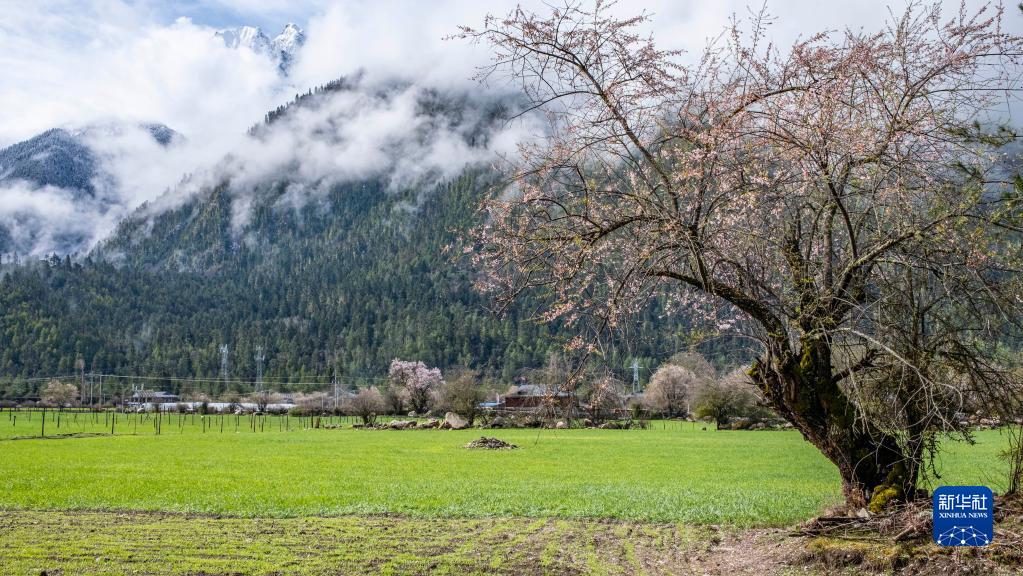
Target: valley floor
(240, 496)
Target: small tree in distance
(725, 398)
(670, 390)
(606, 397)
(367, 404)
(462, 394)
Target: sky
(75, 63)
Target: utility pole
(80, 365)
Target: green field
(677, 473)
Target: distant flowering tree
(671, 389)
(605, 398)
(840, 202)
(416, 380)
(60, 394)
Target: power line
(326, 382)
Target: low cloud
(47, 219)
(365, 131)
(75, 64)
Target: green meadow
(280, 468)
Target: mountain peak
(289, 40)
(282, 49)
(250, 37)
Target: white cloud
(357, 134)
(72, 63)
(48, 218)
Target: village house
(530, 398)
(139, 397)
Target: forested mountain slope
(360, 271)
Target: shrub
(367, 405)
(310, 404)
(462, 394)
(732, 396)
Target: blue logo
(964, 516)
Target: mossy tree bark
(801, 386)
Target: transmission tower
(260, 358)
(336, 383)
(635, 376)
(223, 364)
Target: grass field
(669, 473)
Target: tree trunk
(874, 467)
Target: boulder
(497, 422)
(561, 425)
(430, 423)
(401, 424)
(741, 423)
(455, 422)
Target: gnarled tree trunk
(802, 387)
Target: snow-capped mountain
(250, 37)
(287, 44)
(289, 40)
(282, 49)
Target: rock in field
(455, 421)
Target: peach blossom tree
(845, 202)
(416, 380)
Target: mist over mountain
(53, 158)
(57, 186)
(330, 236)
(326, 227)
